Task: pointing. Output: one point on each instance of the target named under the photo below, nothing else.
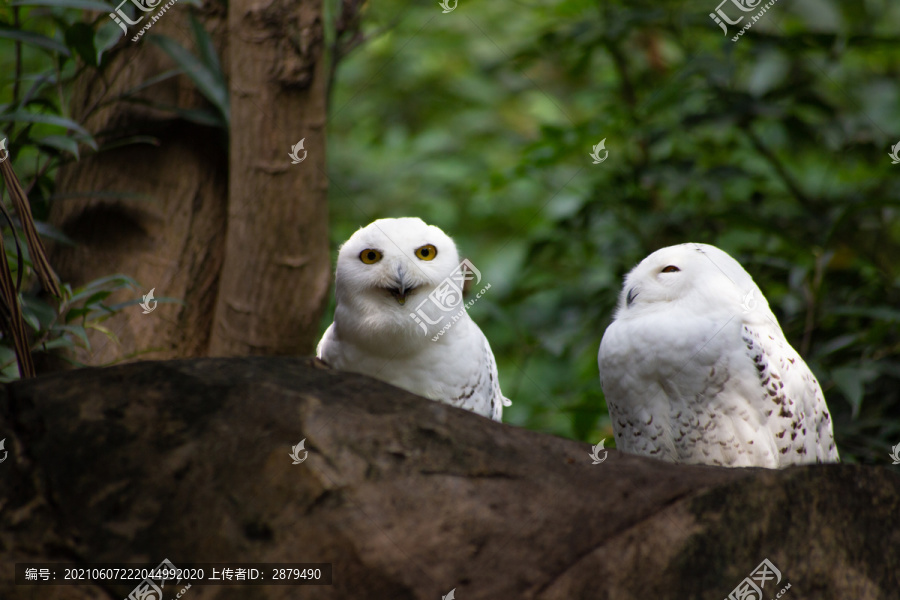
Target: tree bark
(191, 240)
(171, 237)
(276, 272)
(407, 498)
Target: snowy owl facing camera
(695, 369)
(400, 317)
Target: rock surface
(407, 498)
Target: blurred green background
(774, 148)
(481, 121)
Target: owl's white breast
(680, 387)
(434, 369)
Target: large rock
(407, 498)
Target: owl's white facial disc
(388, 267)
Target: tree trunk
(195, 238)
(407, 498)
(277, 269)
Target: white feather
(695, 368)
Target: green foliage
(205, 72)
(66, 325)
(44, 46)
(773, 148)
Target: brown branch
(11, 311)
(35, 245)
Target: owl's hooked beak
(402, 290)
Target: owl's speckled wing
(482, 394)
(791, 399)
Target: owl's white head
(700, 276)
(385, 270)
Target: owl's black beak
(629, 298)
(402, 290)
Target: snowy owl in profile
(400, 317)
(696, 369)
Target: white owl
(389, 325)
(696, 369)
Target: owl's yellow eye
(426, 252)
(370, 256)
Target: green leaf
(21, 116)
(31, 320)
(10, 371)
(210, 84)
(59, 142)
(76, 313)
(852, 382)
(108, 35)
(60, 342)
(45, 313)
(206, 49)
(193, 115)
(86, 139)
(129, 141)
(7, 356)
(35, 39)
(80, 37)
(97, 297)
(48, 77)
(152, 81)
(116, 281)
(107, 332)
(77, 330)
(52, 233)
(201, 117)
(12, 254)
